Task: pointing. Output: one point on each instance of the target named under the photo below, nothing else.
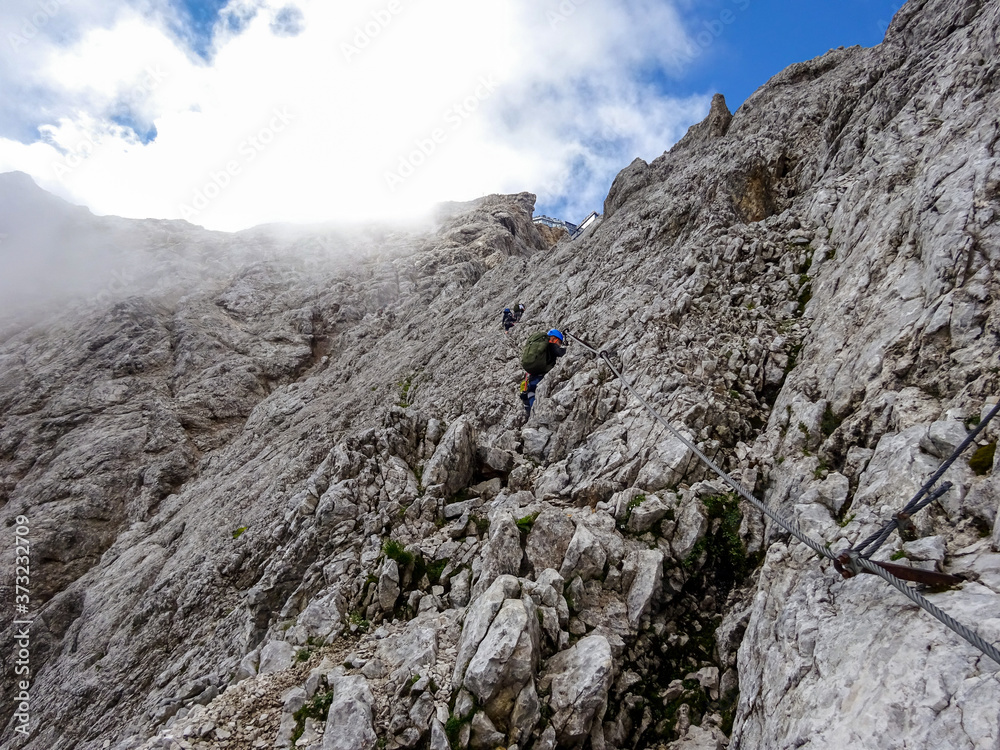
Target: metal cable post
(915, 504)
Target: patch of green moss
(435, 569)
(481, 523)
(317, 709)
(897, 555)
(394, 550)
(239, 532)
(357, 618)
(726, 548)
(982, 460)
(525, 523)
(830, 422)
(405, 392)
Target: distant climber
(508, 320)
(539, 356)
(518, 312)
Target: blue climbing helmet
(506, 309)
(555, 332)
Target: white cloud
(332, 112)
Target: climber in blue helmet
(539, 356)
(508, 319)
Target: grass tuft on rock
(982, 460)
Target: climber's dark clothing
(508, 320)
(528, 386)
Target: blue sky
(769, 35)
(233, 112)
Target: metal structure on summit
(574, 230)
(855, 560)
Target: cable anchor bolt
(846, 563)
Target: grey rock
(691, 526)
(585, 557)
(502, 553)
(438, 738)
(548, 539)
(647, 514)
(453, 462)
(535, 441)
(646, 574)
(276, 656)
(460, 588)
(550, 577)
(505, 660)
(943, 437)
(667, 466)
(349, 720)
(388, 585)
(484, 735)
(931, 548)
(478, 619)
(548, 739)
(831, 492)
(292, 701)
(579, 679)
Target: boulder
(276, 656)
(502, 553)
(506, 660)
(585, 557)
(548, 539)
(478, 618)
(451, 467)
(578, 680)
(691, 526)
(349, 720)
(644, 569)
(388, 585)
(943, 437)
(647, 514)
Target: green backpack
(535, 355)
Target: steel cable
(856, 562)
(788, 525)
(914, 596)
(915, 504)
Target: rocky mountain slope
(297, 503)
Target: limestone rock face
(579, 679)
(294, 477)
(349, 722)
